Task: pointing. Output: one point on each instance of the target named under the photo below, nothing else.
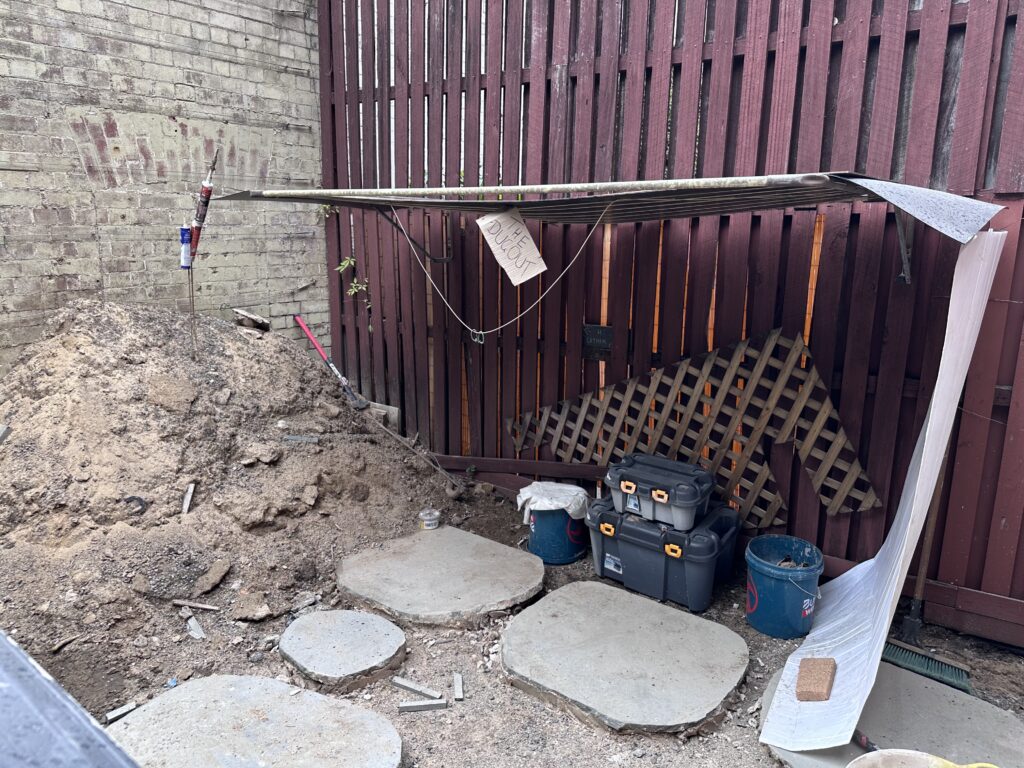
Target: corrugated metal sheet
(621, 202)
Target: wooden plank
(676, 248)
(886, 99)
(1010, 169)
(649, 237)
(924, 106)
(701, 280)
(329, 174)
(961, 553)
(491, 407)
(472, 251)
(387, 315)
(814, 87)
(416, 220)
(557, 140)
(454, 275)
(621, 277)
(514, 36)
(966, 156)
(440, 365)
(583, 282)
(405, 261)
(356, 169)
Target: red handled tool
(357, 402)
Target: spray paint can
(186, 247)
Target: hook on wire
(415, 245)
(477, 336)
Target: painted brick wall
(110, 112)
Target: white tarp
(856, 609)
(541, 495)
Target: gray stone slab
(445, 576)
(909, 711)
(342, 648)
(623, 660)
(226, 721)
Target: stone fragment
(309, 495)
(214, 575)
(413, 687)
(229, 720)
(194, 629)
(422, 705)
(251, 606)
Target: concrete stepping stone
(909, 711)
(343, 649)
(445, 576)
(228, 720)
(622, 660)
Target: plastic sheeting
(571, 498)
(856, 609)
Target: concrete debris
(186, 503)
(194, 629)
(251, 607)
(222, 396)
(250, 319)
(5, 432)
(422, 705)
(309, 495)
(458, 692)
(413, 687)
(311, 439)
(64, 643)
(214, 575)
(117, 714)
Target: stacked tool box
(655, 533)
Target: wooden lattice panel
(718, 410)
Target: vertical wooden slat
(553, 306)
(471, 250)
(967, 523)
(440, 365)
(585, 277)
(388, 313)
(355, 153)
(1010, 168)
(404, 260)
(512, 132)
(685, 114)
(454, 275)
(329, 172)
(491, 414)
(417, 228)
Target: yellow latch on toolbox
(607, 529)
(673, 550)
(627, 486)
(659, 495)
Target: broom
(909, 654)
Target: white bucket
(907, 758)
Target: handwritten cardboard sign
(512, 245)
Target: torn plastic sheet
(543, 495)
(856, 609)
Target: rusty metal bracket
(905, 233)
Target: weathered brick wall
(110, 112)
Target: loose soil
(112, 406)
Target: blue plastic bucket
(782, 585)
(556, 538)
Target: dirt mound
(112, 419)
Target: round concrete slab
(342, 648)
(444, 576)
(244, 722)
(910, 711)
(623, 660)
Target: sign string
(475, 334)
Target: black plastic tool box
(660, 489)
(660, 562)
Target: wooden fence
(520, 91)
